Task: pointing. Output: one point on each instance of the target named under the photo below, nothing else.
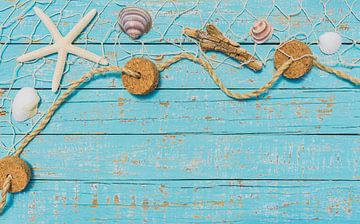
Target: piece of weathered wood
(306, 131)
(193, 156)
(214, 40)
(186, 201)
(293, 111)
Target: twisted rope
(5, 189)
(206, 65)
(64, 96)
(338, 73)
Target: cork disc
(149, 76)
(297, 50)
(19, 171)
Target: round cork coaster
(297, 50)
(19, 171)
(149, 76)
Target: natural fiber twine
(281, 66)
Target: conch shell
(261, 31)
(135, 21)
(25, 104)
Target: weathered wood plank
(201, 111)
(305, 19)
(195, 157)
(186, 202)
(184, 74)
(131, 170)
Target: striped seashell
(135, 21)
(261, 31)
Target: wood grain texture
(187, 153)
(184, 74)
(187, 202)
(204, 111)
(191, 156)
(287, 16)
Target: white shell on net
(25, 104)
(330, 42)
(135, 21)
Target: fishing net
(22, 31)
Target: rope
(64, 96)
(218, 82)
(338, 73)
(5, 189)
(207, 66)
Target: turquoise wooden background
(187, 153)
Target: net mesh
(22, 31)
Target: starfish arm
(87, 55)
(42, 52)
(80, 26)
(59, 70)
(49, 24)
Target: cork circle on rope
(297, 50)
(149, 76)
(19, 171)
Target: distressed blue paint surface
(187, 153)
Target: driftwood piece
(214, 40)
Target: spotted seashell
(330, 42)
(25, 104)
(261, 31)
(135, 21)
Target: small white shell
(330, 42)
(25, 104)
(135, 21)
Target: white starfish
(63, 46)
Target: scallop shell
(25, 104)
(330, 42)
(261, 31)
(134, 21)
